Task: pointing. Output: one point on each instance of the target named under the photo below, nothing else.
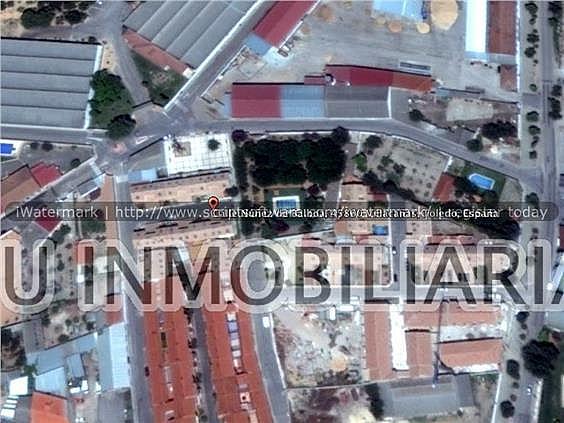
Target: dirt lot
(318, 351)
(410, 165)
(330, 405)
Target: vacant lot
(410, 166)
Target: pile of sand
(444, 13)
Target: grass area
(499, 178)
(162, 84)
(551, 402)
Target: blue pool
(481, 181)
(6, 149)
(379, 230)
(288, 203)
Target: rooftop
(18, 187)
(471, 353)
(281, 20)
(187, 30)
(46, 83)
(47, 408)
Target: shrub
(373, 141)
(416, 115)
(475, 144)
(533, 116)
(534, 130)
(74, 17)
(121, 126)
(507, 409)
(47, 146)
(41, 17)
(538, 357)
(213, 144)
(512, 367)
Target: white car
(266, 321)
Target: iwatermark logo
(263, 275)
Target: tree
(530, 51)
(47, 146)
(416, 115)
(75, 163)
(238, 135)
(213, 144)
(507, 409)
(376, 404)
(475, 144)
(232, 191)
(110, 99)
(533, 116)
(41, 17)
(34, 145)
(340, 135)
(522, 316)
(63, 338)
(534, 130)
(121, 126)
(74, 17)
(532, 199)
(538, 357)
(512, 367)
(373, 141)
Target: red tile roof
(426, 316)
(377, 337)
(18, 187)
(471, 353)
(47, 408)
(501, 27)
(240, 392)
(445, 188)
(152, 52)
(44, 173)
(419, 353)
(377, 77)
(281, 20)
(170, 366)
(255, 100)
(48, 223)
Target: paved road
(526, 404)
(267, 355)
(140, 395)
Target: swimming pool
(6, 149)
(481, 181)
(289, 202)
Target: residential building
(191, 189)
(17, 188)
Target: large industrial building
(278, 24)
(188, 31)
(47, 83)
(343, 91)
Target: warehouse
(47, 83)
(357, 102)
(299, 101)
(278, 24)
(188, 31)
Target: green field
(162, 84)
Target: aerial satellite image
(259, 211)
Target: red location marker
(213, 202)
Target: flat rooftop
(187, 30)
(46, 83)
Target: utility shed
(187, 30)
(356, 102)
(47, 83)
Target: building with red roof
(47, 408)
(501, 27)
(255, 100)
(239, 389)
(377, 77)
(281, 21)
(44, 173)
(153, 52)
(444, 188)
(170, 366)
(48, 223)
